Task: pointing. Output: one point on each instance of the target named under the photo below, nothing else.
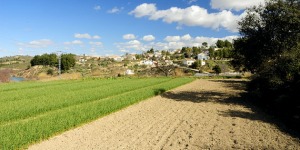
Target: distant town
(187, 61)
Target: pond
(17, 79)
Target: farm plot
(204, 114)
(34, 111)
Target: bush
(217, 69)
(50, 72)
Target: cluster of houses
(147, 59)
(202, 56)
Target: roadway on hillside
(205, 114)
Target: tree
(196, 50)
(45, 60)
(227, 44)
(139, 56)
(211, 52)
(168, 53)
(151, 51)
(183, 50)
(269, 47)
(164, 68)
(217, 69)
(204, 44)
(267, 33)
(196, 64)
(67, 61)
(220, 44)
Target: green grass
(33, 111)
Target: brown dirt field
(205, 114)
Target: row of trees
(67, 60)
(269, 47)
(220, 54)
(224, 44)
(45, 60)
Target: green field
(32, 111)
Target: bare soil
(205, 114)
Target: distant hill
(15, 62)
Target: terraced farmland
(32, 111)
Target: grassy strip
(13, 110)
(22, 133)
(33, 91)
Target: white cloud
(148, 38)
(37, 43)
(86, 36)
(82, 36)
(144, 10)
(172, 38)
(212, 40)
(98, 44)
(171, 42)
(115, 10)
(97, 7)
(96, 37)
(186, 37)
(192, 1)
(129, 36)
(130, 45)
(75, 42)
(190, 16)
(179, 27)
(134, 42)
(124, 50)
(234, 4)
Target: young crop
(25, 119)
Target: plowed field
(204, 114)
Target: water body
(17, 79)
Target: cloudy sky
(107, 27)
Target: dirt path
(201, 115)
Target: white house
(188, 61)
(157, 54)
(129, 72)
(147, 62)
(116, 58)
(202, 56)
(130, 57)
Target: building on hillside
(157, 54)
(169, 62)
(117, 58)
(129, 72)
(188, 61)
(202, 56)
(146, 62)
(130, 57)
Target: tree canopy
(67, 60)
(269, 47)
(269, 34)
(45, 60)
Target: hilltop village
(187, 61)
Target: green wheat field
(33, 111)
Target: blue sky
(115, 27)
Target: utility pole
(59, 63)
